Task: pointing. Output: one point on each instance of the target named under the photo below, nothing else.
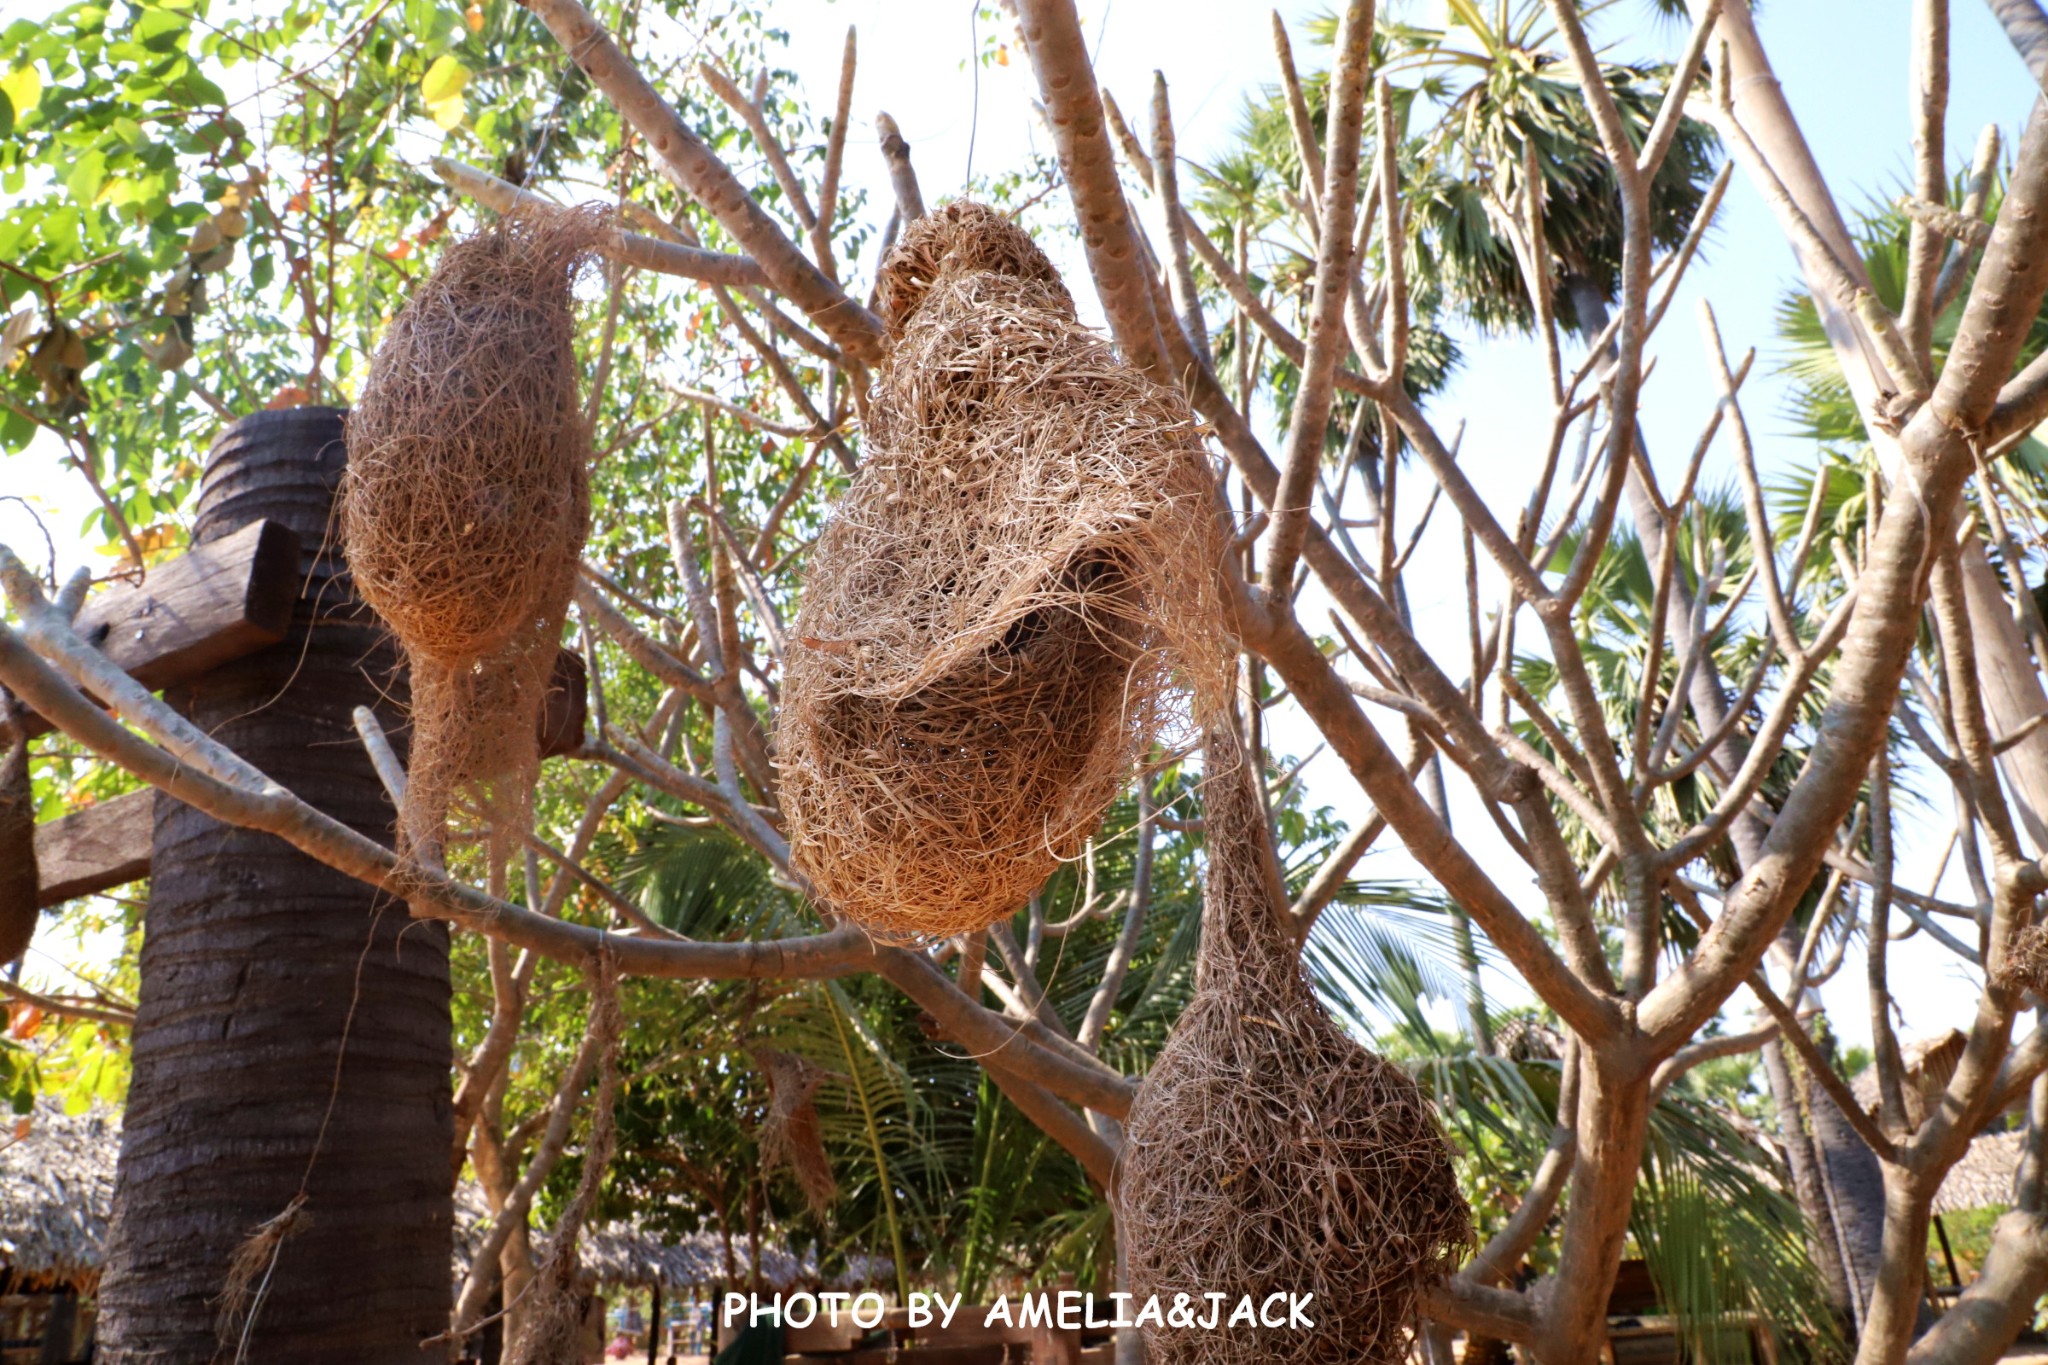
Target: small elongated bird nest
(466, 503)
(1002, 607)
(1267, 1152)
(791, 1132)
(2025, 966)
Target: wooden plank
(107, 845)
(94, 849)
(213, 603)
(216, 602)
(828, 1335)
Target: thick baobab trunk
(292, 1035)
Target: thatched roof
(1983, 1178)
(624, 1254)
(56, 1194)
(1929, 1066)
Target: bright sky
(1852, 101)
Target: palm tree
(291, 1049)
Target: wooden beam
(214, 603)
(95, 849)
(107, 845)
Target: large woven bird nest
(996, 618)
(466, 503)
(1267, 1152)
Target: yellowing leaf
(15, 334)
(24, 90)
(160, 537)
(449, 112)
(444, 80)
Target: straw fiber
(465, 504)
(1268, 1153)
(997, 617)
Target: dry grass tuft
(465, 504)
(791, 1132)
(2026, 962)
(996, 619)
(1269, 1153)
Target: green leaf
(87, 175)
(160, 30)
(444, 80)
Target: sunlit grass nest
(2025, 965)
(466, 501)
(1269, 1153)
(1000, 612)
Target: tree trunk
(1613, 1121)
(2000, 1304)
(1853, 1181)
(1896, 1305)
(1803, 1163)
(292, 1036)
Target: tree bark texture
(1852, 1181)
(292, 1034)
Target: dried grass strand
(1267, 1152)
(792, 1134)
(466, 503)
(1006, 606)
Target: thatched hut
(627, 1260)
(1983, 1178)
(56, 1194)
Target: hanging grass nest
(466, 503)
(997, 616)
(791, 1132)
(2025, 965)
(1268, 1153)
